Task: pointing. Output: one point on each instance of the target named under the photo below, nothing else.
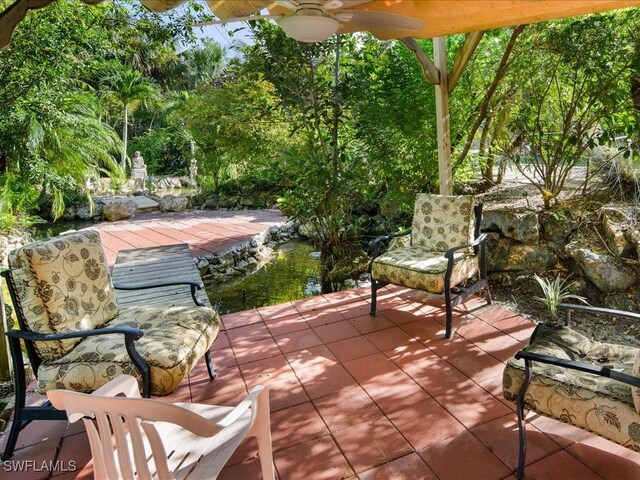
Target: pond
(53, 229)
(292, 274)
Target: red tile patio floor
(375, 398)
(205, 231)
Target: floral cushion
(422, 269)
(175, 338)
(33, 311)
(595, 403)
(635, 391)
(442, 221)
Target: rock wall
(601, 250)
(245, 257)
(11, 242)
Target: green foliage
(556, 292)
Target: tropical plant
(555, 292)
(130, 89)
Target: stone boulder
(173, 203)
(614, 225)
(557, 228)
(119, 210)
(606, 272)
(520, 225)
(508, 255)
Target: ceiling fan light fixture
(309, 28)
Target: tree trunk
(487, 170)
(125, 126)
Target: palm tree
(130, 89)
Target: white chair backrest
(124, 440)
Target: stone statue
(193, 169)
(138, 171)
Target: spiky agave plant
(556, 292)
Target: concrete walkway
(205, 231)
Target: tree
(130, 89)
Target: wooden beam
(429, 70)
(442, 116)
(463, 55)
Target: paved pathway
(205, 231)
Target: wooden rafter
(429, 70)
(463, 55)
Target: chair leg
(263, 433)
(449, 315)
(374, 297)
(522, 433)
(207, 360)
(20, 386)
(487, 295)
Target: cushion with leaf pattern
(442, 221)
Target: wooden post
(442, 116)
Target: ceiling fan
(313, 21)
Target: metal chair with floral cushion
(568, 376)
(441, 252)
(77, 338)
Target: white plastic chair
(140, 438)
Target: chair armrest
(49, 337)
(376, 244)
(581, 366)
(193, 284)
(478, 241)
(569, 307)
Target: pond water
(53, 229)
(292, 274)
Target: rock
(315, 255)
(309, 230)
(173, 203)
(614, 225)
(508, 255)
(521, 225)
(211, 203)
(557, 228)
(350, 283)
(119, 210)
(69, 213)
(606, 272)
(634, 239)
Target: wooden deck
(149, 266)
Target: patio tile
(298, 340)
(318, 459)
(477, 365)
(273, 312)
(369, 368)
(391, 302)
(500, 436)
(352, 348)
(473, 406)
(549, 467)
(562, 433)
(38, 453)
(503, 347)
(340, 410)
(221, 341)
(434, 424)
(336, 331)
(295, 425)
(610, 460)
(463, 456)
(248, 334)
(439, 378)
(368, 324)
(354, 309)
(409, 467)
(371, 443)
(36, 433)
(267, 370)
(227, 385)
(286, 324)
(413, 357)
(223, 357)
(311, 361)
(389, 338)
(408, 315)
(286, 393)
(333, 379)
(423, 330)
(75, 452)
(250, 352)
(322, 316)
(518, 327)
(310, 304)
(240, 319)
(495, 313)
(250, 468)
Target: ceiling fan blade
(384, 20)
(288, 4)
(236, 19)
(335, 4)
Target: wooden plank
(145, 266)
(461, 60)
(429, 70)
(442, 117)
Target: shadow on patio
(355, 395)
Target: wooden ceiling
(442, 17)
